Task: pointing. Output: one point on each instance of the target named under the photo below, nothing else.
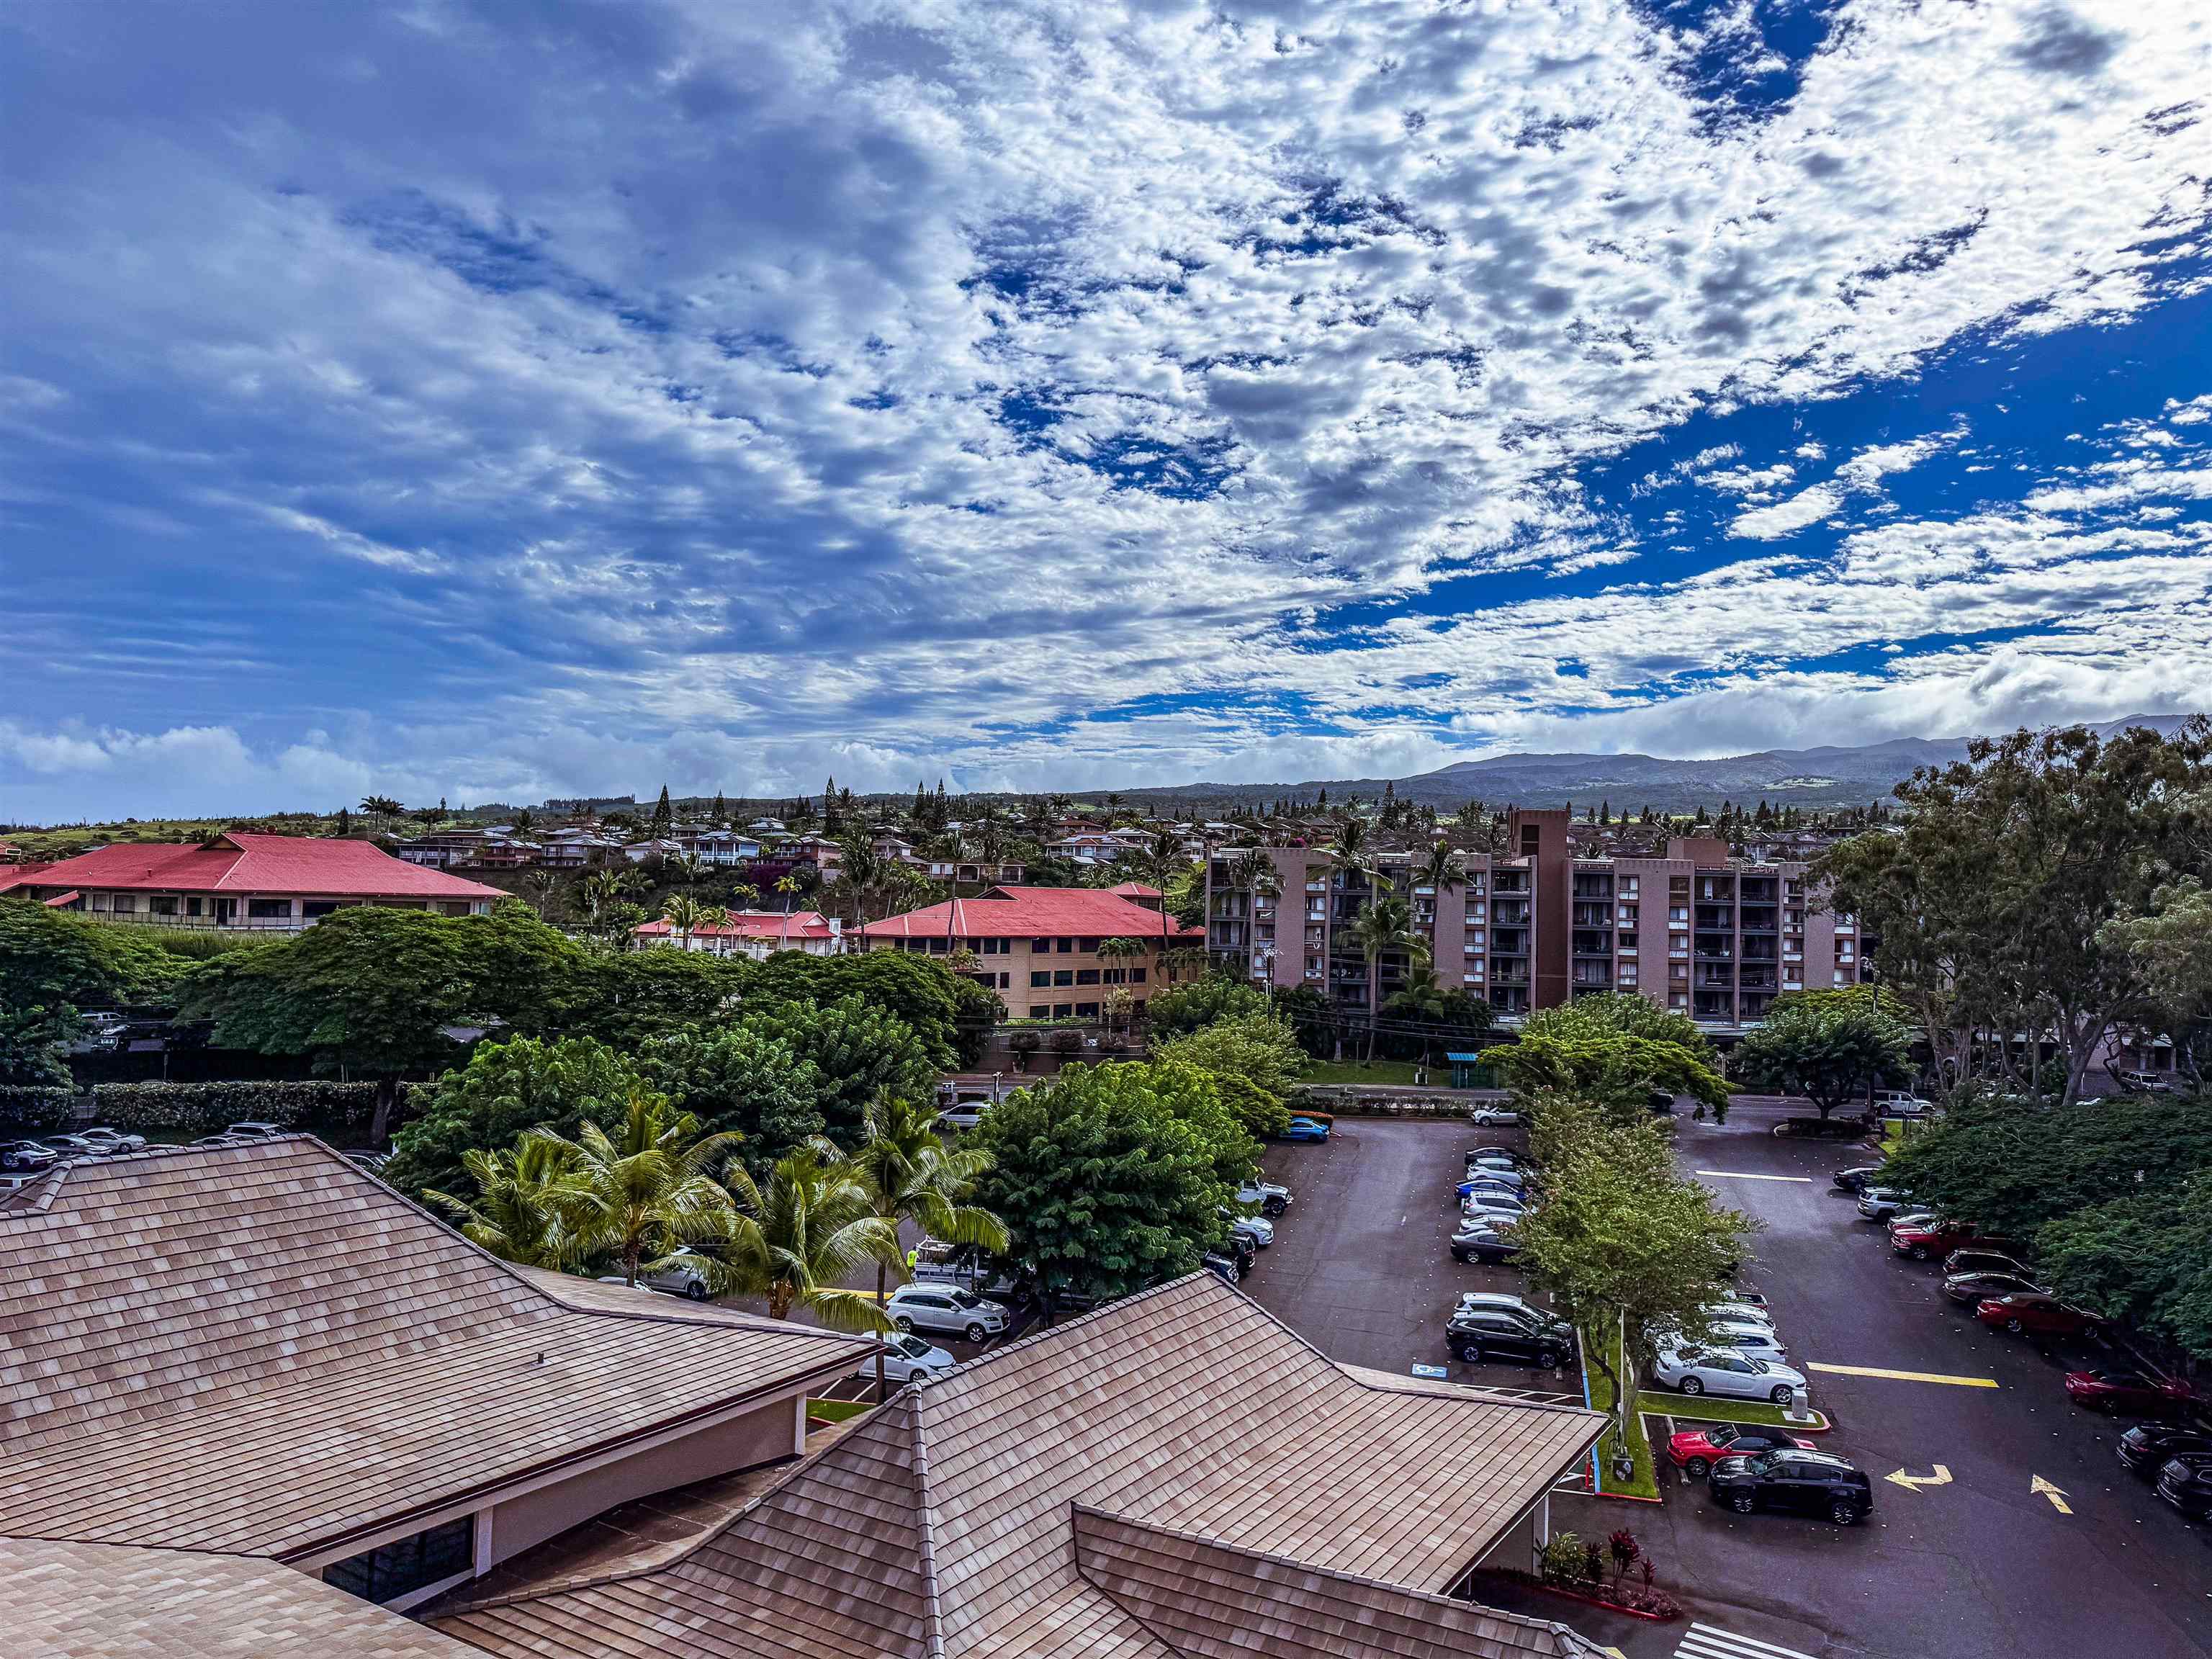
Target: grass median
(1644, 1483)
(1704, 1408)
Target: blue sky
(497, 400)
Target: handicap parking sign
(1435, 1371)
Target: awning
(60, 899)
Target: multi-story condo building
(1698, 931)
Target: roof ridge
(1050, 1331)
(933, 1607)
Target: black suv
(1800, 1482)
(2145, 1448)
(2186, 1482)
(1479, 1333)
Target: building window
(125, 903)
(161, 905)
(1062, 1010)
(1086, 976)
(1042, 946)
(407, 1564)
(1086, 1011)
(1040, 1010)
(268, 909)
(1006, 982)
(1068, 947)
(191, 907)
(1063, 976)
(1137, 977)
(1039, 977)
(1090, 944)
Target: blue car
(1305, 1129)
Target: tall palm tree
(1384, 927)
(786, 884)
(911, 1175)
(1123, 950)
(524, 821)
(684, 916)
(517, 1212)
(1161, 862)
(811, 1227)
(859, 874)
(599, 891)
(652, 1189)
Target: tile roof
(60, 1601)
(1019, 912)
(239, 862)
(752, 924)
(943, 1524)
(261, 1350)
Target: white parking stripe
(1711, 1642)
(1745, 1175)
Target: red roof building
(753, 933)
(1038, 948)
(242, 880)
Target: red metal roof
(754, 924)
(1015, 912)
(244, 863)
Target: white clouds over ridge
(546, 401)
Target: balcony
(1592, 976)
(1593, 887)
(1512, 913)
(1714, 947)
(1592, 915)
(1715, 918)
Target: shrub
(198, 1108)
(1562, 1559)
(26, 1109)
(1067, 1041)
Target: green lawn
(1646, 1481)
(836, 1411)
(1704, 1408)
(1383, 1070)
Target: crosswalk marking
(1712, 1642)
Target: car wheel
(2015, 1327)
(1920, 1253)
(1470, 1352)
(1548, 1359)
(903, 1321)
(1691, 1385)
(1742, 1501)
(975, 1333)
(1697, 1468)
(1274, 1206)
(1460, 1256)
(1779, 1394)
(696, 1290)
(1842, 1513)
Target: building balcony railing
(206, 924)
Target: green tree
(1612, 1049)
(1440, 1010)
(815, 1226)
(2171, 948)
(859, 1052)
(35, 1045)
(1103, 1190)
(648, 1190)
(1828, 1046)
(506, 1089)
(2145, 1259)
(912, 1176)
(1189, 1008)
(626, 1000)
(1254, 1062)
(1385, 927)
(1626, 1247)
(951, 1016)
(514, 1209)
(748, 1080)
(51, 957)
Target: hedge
(195, 1109)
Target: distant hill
(1827, 776)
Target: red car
(2031, 1313)
(1924, 1241)
(1694, 1451)
(2129, 1392)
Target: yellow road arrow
(2035, 1483)
(1914, 1482)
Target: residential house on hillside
(755, 934)
(242, 881)
(1037, 948)
(1176, 1476)
(229, 1368)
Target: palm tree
(655, 1190)
(524, 821)
(685, 914)
(541, 883)
(911, 1175)
(599, 891)
(516, 1213)
(1385, 926)
(860, 873)
(811, 1227)
(1423, 999)
(1350, 850)
(786, 884)
(1163, 861)
(687, 867)
(1123, 950)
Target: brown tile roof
(263, 1350)
(101, 1602)
(942, 1525)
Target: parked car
(1479, 1333)
(1819, 1128)
(2129, 1392)
(1925, 1241)
(685, 1275)
(908, 1359)
(1487, 1152)
(2145, 1448)
(1239, 1249)
(1494, 1117)
(1756, 1341)
(114, 1138)
(1694, 1451)
(1739, 1313)
(1506, 1299)
(2186, 1482)
(1480, 1202)
(1883, 1203)
(1256, 1227)
(1305, 1128)
(1985, 1262)
(1858, 1177)
(947, 1308)
(1222, 1267)
(968, 1266)
(2144, 1083)
(1486, 1184)
(1486, 1239)
(963, 1114)
(255, 1130)
(2035, 1312)
(1900, 1103)
(27, 1156)
(1502, 1175)
(1264, 1196)
(1972, 1290)
(1744, 1296)
(82, 1146)
(1716, 1371)
(1795, 1482)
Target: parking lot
(1978, 1564)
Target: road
(1980, 1566)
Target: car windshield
(912, 1346)
(967, 1298)
(1764, 1463)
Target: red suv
(1924, 1241)
(2031, 1313)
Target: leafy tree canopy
(1612, 1049)
(505, 1089)
(49, 957)
(1829, 1046)
(951, 1016)
(1211, 997)
(1254, 1063)
(35, 1045)
(748, 1078)
(858, 1051)
(2145, 1258)
(1103, 1190)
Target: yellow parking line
(1903, 1377)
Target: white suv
(684, 1275)
(946, 1307)
(908, 1360)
